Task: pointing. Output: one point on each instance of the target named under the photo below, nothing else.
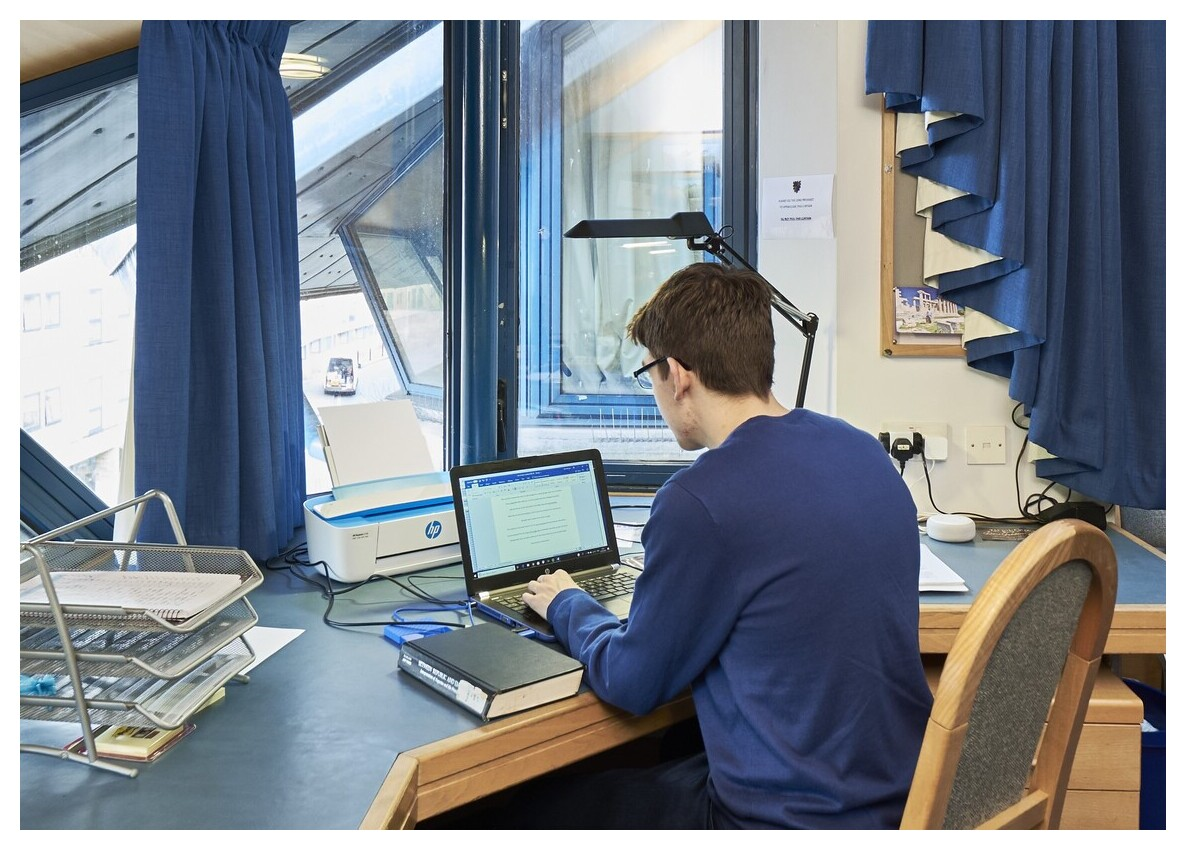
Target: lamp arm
(806, 323)
(697, 230)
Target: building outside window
(53, 309)
(78, 175)
(31, 411)
(53, 406)
(94, 309)
(93, 416)
(31, 312)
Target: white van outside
(339, 376)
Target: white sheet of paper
(797, 207)
(934, 574)
(266, 640)
(373, 440)
(628, 533)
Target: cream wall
(815, 119)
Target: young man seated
(781, 586)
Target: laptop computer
(519, 518)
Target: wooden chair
(1014, 689)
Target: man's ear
(681, 378)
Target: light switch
(986, 444)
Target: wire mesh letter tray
(105, 635)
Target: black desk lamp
(695, 227)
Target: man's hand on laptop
(541, 591)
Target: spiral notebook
(168, 595)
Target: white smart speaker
(950, 528)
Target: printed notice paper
(797, 207)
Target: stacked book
(490, 670)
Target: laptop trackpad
(619, 605)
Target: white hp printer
(371, 525)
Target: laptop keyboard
(600, 588)
(513, 601)
(608, 586)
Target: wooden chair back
(1010, 703)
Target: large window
(370, 205)
(617, 120)
(78, 244)
(368, 146)
(603, 119)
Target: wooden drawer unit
(1105, 785)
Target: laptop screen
(534, 513)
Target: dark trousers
(669, 795)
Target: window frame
(31, 411)
(51, 411)
(351, 237)
(95, 317)
(31, 318)
(51, 318)
(541, 209)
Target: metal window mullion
(473, 96)
(739, 148)
(508, 324)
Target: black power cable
(291, 559)
(1036, 502)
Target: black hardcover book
(490, 670)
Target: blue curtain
(218, 399)
(1059, 144)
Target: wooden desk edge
(442, 775)
(1136, 629)
(395, 804)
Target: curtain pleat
(1053, 133)
(218, 411)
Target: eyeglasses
(643, 374)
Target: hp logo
(433, 529)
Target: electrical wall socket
(934, 435)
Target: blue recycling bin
(1152, 755)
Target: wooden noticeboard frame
(901, 251)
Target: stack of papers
(169, 595)
(933, 574)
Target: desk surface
(1138, 624)
(304, 745)
(312, 739)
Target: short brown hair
(716, 321)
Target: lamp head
(682, 225)
(697, 230)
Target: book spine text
(445, 681)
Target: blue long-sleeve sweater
(781, 585)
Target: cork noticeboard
(915, 320)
